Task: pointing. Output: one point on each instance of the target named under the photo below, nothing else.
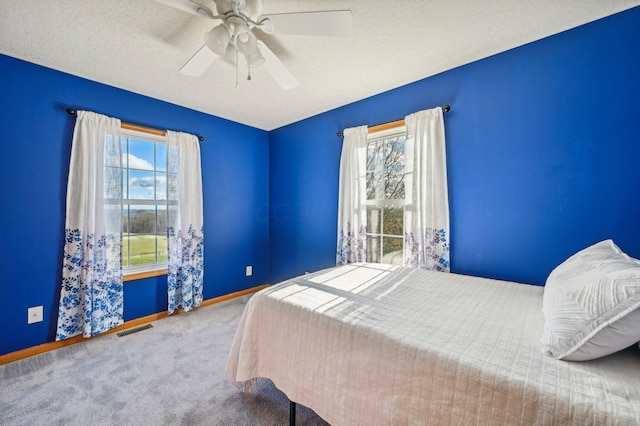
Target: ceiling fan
(234, 37)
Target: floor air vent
(133, 330)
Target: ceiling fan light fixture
(218, 39)
(255, 58)
(246, 42)
(230, 55)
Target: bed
(373, 344)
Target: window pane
(394, 187)
(161, 234)
(163, 252)
(141, 154)
(392, 251)
(371, 186)
(394, 169)
(125, 184)
(161, 186)
(142, 220)
(375, 155)
(393, 221)
(125, 250)
(142, 239)
(385, 174)
(374, 216)
(125, 219)
(161, 224)
(161, 157)
(375, 185)
(143, 176)
(373, 249)
(125, 235)
(394, 184)
(141, 185)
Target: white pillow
(590, 304)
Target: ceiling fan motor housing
(249, 8)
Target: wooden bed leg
(292, 413)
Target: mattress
(374, 344)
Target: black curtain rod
(445, 108)
(72, 111)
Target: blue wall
(35, 147)
(543, 145)
(543, 148)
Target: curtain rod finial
(339, 133)
(71, 111)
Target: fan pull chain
(249, 66)
(237, 66)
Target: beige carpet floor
(171, 374)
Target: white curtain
(185, 222)
(91, 295)
(352, 210)
(427, 202)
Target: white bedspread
(368, 344)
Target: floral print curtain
(185, 222)
(426, 222)
(91, 295)
(352, 210)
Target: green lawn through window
(143, 249)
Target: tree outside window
(386, 197)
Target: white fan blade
(329, 23)
(189, 6)
(199, 62)
(276, 69)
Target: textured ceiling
(139, 45)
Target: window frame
(136, 272)
(382, 203)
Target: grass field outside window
(141, 249)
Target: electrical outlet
(34, 314)
(249, 271)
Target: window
(386, 196)
(147, 192)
